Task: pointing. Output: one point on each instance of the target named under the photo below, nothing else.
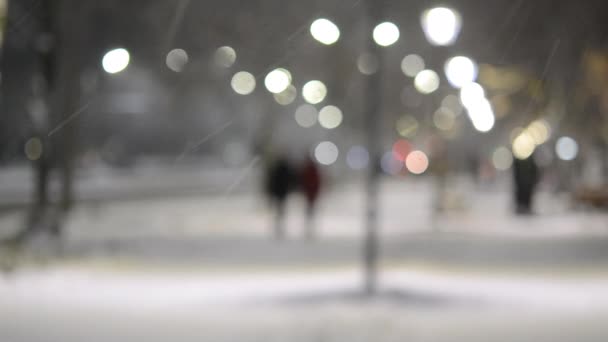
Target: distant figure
(279, 181)
(525, 176)
(310, 183)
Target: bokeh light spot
(441, 25)
(277, 80)
(325, 31)
(566, 148)
(407, 126)
(306, 115)
(401, 149)
(357, 158)
(33, 148)
(243, 83)
(411, 65)
(427, 81)
(452, 102)
(115, 61)
(224, 57)
(367, 63)
(444, 119)
(314, 92)
(176, 60)
(523, 146)
(460, 71)
(287, 96)
(390, 165)
(326, 153)
(330, 117)
(386, 34)
(417, 162)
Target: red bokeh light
(401, 148)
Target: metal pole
(372, 114)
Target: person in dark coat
(525, 177)
(279, 182)
(310, 184)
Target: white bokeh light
(427, 81)
(386, 34)
(411, 65)
(287, 96)
(460, 71)
(523, 146)
(566, 148)
(444, 119)
(471, 94)
(326, 153)
(367, 63)
(176, 60)
(115, 61)
(441, 25)
(224, 56)
(325, 31)
(330, 117)
(482, 115)
(277, 80)
(306, 115)
(314, 92)
(243, 83)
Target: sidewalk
(206, 268)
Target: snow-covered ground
(205, 267)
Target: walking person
(310, 183)
(525, 177)
(278, 183)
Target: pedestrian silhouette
(525, 177)
(310, 185)
(279, 182)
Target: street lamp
(386, 34)
(441, 25)
(115, 61)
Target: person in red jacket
(310, 183)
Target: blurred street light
(325, 31)
(411, 65)
(314, 92)
(460, 71)
(566, 148)
(243, 83)
(306, 115)
(287, 96)
(427, 81)
(277, 80)
(367, 63)
(115, 61)
(326, 153)
(417, 162)
(441, 25)
(330, 117)
(482, 115)
(523, 146)
(176, 60)
(386, 34)
(471, 93)
(224, 57)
